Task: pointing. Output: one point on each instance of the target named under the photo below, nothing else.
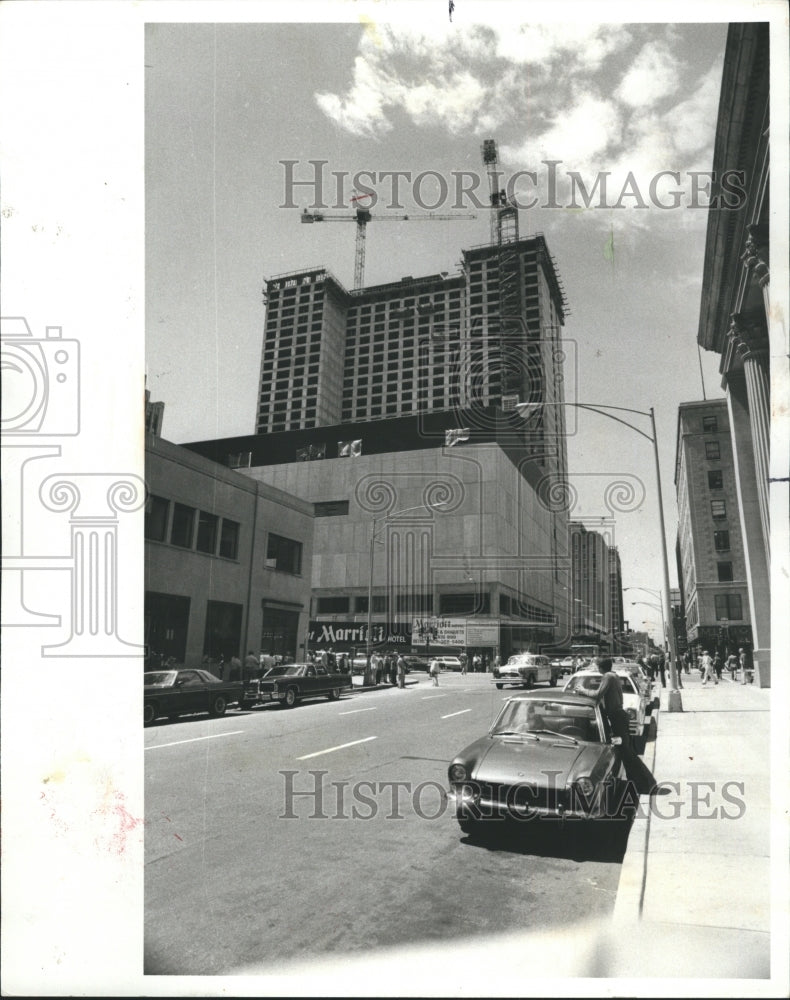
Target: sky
(227, 103)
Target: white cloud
(578, 134)
(653, 75)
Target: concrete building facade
(227, 561)
(468, 533)
(716, 597)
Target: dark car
(290, 683)
(184, 692)
(547, 754)
(415, 663)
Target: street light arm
(600, 408)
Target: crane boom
(362, 216)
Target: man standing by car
(401, 669)
(610, 696)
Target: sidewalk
(696, 874)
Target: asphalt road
(239, 873)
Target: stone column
(751, 342)
(757, 574)
(755, 260)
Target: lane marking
(356, 710)
(430, 697)
(214, 736)
(342, 746)
(450, 716)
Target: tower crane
(362, 216)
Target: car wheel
(334, 694)
(149, 713)
(291, 698)
(499, 687)
(218, 705)
(530, 682)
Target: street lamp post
(377, 521)
(675, 702)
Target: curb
(633, 874)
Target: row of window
(191, 528)
(179, 529)
(422, 604)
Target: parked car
(290, 683)
(416, 663)
(547, 754)
(640, 676)
(634, 701)
(184, 692)
(446, 662)
(526, 670)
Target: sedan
(184, 692)
(416, 663)
(588, 682)
(546, 755)
(447, 662)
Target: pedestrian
(706, 666)
(462, 658)
(746, 664)
(379, 667)
(717, 666)
(435, 670)
(497, 662)
(610, 696)
(251, 664)
(732, 665)
(324, 659)
(235, 668)
(221, 668)
(401, 669)
(476, 663)
(484, 663)
(662, 669)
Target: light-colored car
(588, 682)
(446, 662)
(526, 670)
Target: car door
(191, 693)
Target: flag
(349, 449)
(452, 437)
(302, 454)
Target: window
(330, 508)
(715, 480)
(712, 449)
(229, 539)
(207, 532)
(721, 541)
(718, 509)
(284, 554)
(464, 604)
(725, 571)
(183, 525)
(156, 511)
(728, 606)
(332, 605)
(710, 425)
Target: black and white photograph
(276, 486)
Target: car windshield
(292, 670)
(560, 718)
(160, 678)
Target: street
(239, 873)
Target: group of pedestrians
(390, 668)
